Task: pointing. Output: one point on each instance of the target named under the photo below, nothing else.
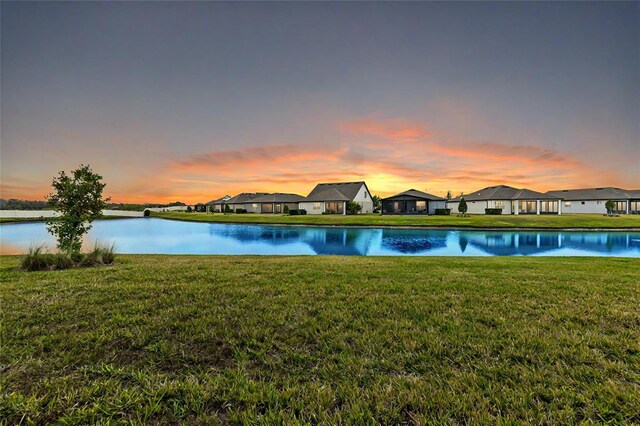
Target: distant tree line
(15, 204)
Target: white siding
(584, 206)
(478, 207)
(363, 197)
(309, 207)
(433, 205)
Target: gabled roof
(278, 197)
(417, 194)
(605, 193)
(218, 201)
(504, 192)
(339, 191)
(245, 197)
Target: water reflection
(172, 237)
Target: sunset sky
(191, 101)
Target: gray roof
(605, 193)
(218, 201)
(278, 197)
(633, 193)
(340, 191)
(504, 192)
(245, 197)
(417, 194)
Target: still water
(159, 236)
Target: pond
(159, 236)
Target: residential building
(593, 200)
(274, 203)
(332, 198)
(509, 200)
(412, 201)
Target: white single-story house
(593, 200)
(507, 200)
(273, 203)
(412, 201)
(332, 198)
(240, 201)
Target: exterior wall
(168, 209)
(251, 207)
(308, 206)
(433, 205)
(589, 206)
(478, 207)
(363, 197)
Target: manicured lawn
(322, 340)
(480, 221)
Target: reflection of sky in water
(174, 237)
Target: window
(548, 207)
(316, 206)
(333, 207)
(634, 207)
(527, 207)
(567, 203)
(499, 204)
(267, 208)
(365, 194)
(421, 206)
(621, 206)
(254, 206)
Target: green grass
(583, 221)
(322, 340)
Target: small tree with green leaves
(78, 199)
(462, 206)
(353, 207)
(610, 206)
(285, 210)
(376, 201)
(227, 209)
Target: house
(243, 201)
(412, 201)
(508, 200)
(333, 197)
(593, 200)
(274, 203)
(216, 206)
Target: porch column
(344, 207)
(537, 206)
(516, 209)
(273, 208)
(628, 206)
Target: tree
(353, 207)
(376, 201)
(78, 199)
(227, 209)
(189, 209)
(462, 206)
(449, 195)
(285, 210)
(610, 206)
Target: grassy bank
(206, 339)
(583, 221)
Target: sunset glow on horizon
(193, 101)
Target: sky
(191, 101)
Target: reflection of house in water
(252, 233)
(526, 243)
(321, 240)
(354, 242)
(412, 240)
(597, 241)
(510, 243)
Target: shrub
(492, 211)
(294, 212)
(36, 260)
(100, 255)
(227, 209)
(443, 212)
(353, 207)
(189, 209)
(285, 210)
(302, 212)
(62, 261)
(241, 210)
(462, 206)
(146, 213)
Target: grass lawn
(272, 340)
(480, 221)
